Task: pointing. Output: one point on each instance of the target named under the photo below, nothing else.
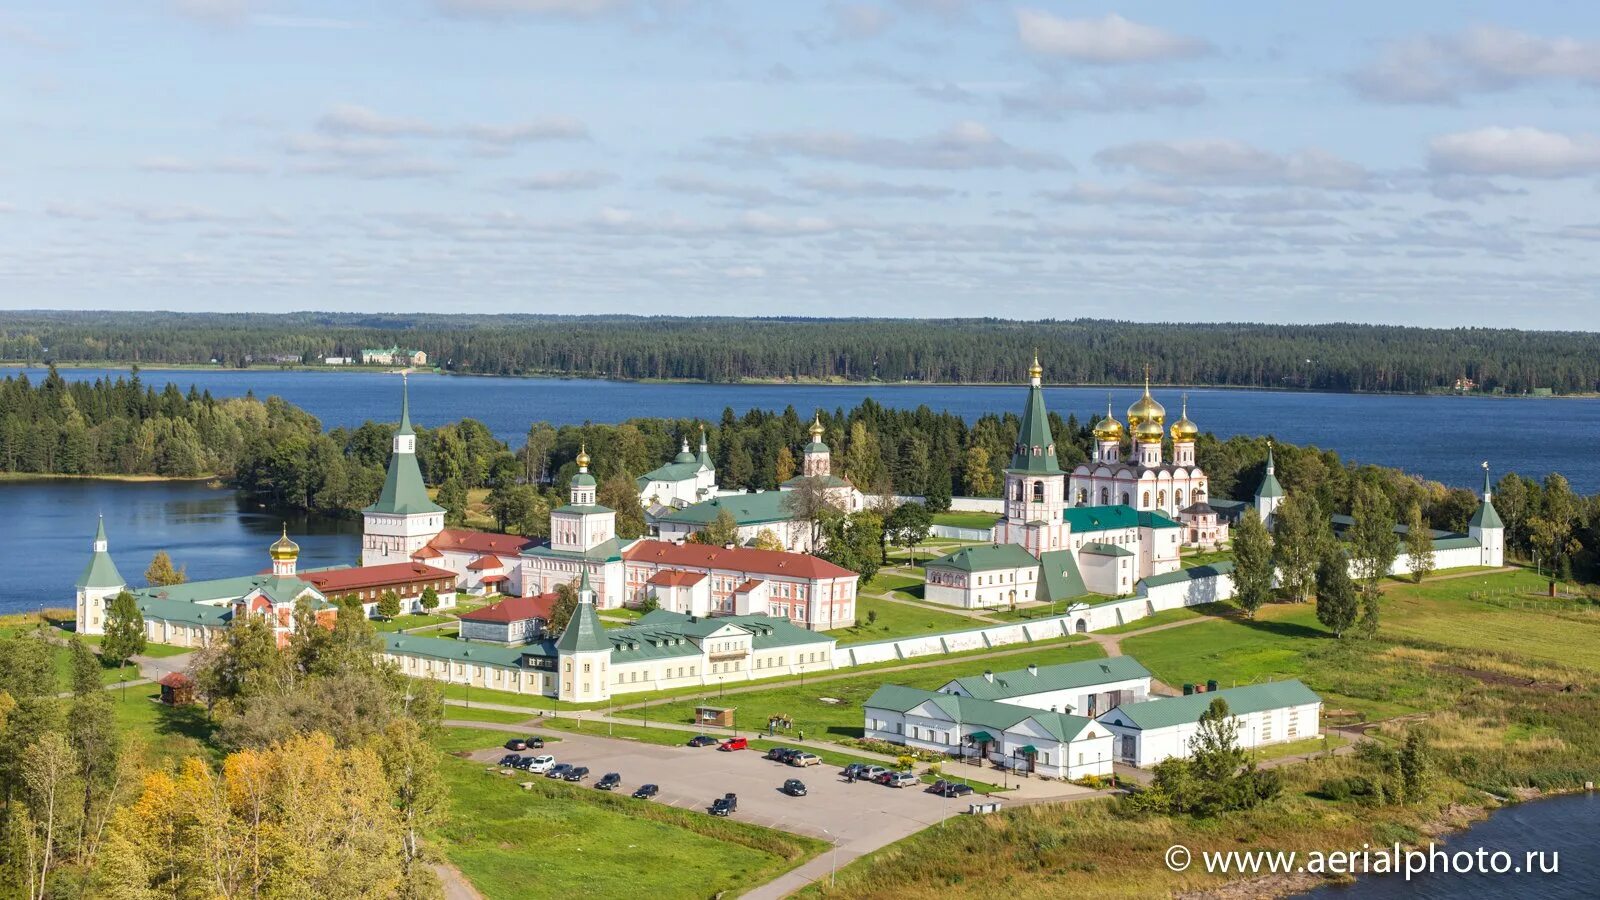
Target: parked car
(794, 787)
(516, 744)
(559, 770)
(900, 779)
(539, 765)
(737, 743)
(702, 740)
(608, 781)
(646, 791)
(525, 763)
(872, 773)
(576, 773)
(725, 804)
(805, 759)
(510, 759)
(781, 754)
(854, 770)
(534, 743)
(955, 789)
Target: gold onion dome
(283, 548)
(1146, 408)
(1149, 432)
(583, 456)
(816, 428)
(1108, 429)
(1183, 429)
(1036, 371)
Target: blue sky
(1421, 163)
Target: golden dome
(816, 428)
(283, 548)
(1183, 429)
(1108, 429)
(1146, 408)
(1148, 432)
(1035, 371)
(583, 456)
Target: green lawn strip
(1300, 747)
(887, 581)
(954, 773)
(1029, 613)
(451, 739)
(162, 651)
(1168, 616)
(977, 520)
(896, 620)
(559, 840)
(843, 719)
(479, 714)
(410, 620)
(170, 733)
(1204, 558)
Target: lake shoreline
(767, 382)
(110, 477)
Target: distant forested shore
(1333, 357)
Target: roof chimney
(1033, 668)
(988, 675)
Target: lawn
(479, 714)
(1204, 558)
(410, 620)
(978, 520)
(888, 580)
(1168, 616)
(805, 704)
(561, 840)
(168, 733)
(896, 620)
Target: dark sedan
(646, 792)
(577, 773)
(794, 787)
(702, 740)
(608, 781)
(510, 759)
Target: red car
(735, 744)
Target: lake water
(1442, 438)
(1561, 825)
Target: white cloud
(964, 145)
(1056, 101)
(1441, 68)
(735, 193)
(227, 165)
(567, 180)
(859, 21)
(1528, 152)
(580, 9)
(1136, 194)
(1225, 161)
(866, 188)
(350, 119)
(1108, 40)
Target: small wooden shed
(718, 716)
(177, 689)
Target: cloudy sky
(1413, 162)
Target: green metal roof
(1060, 579)
(1269, 484)
(588, 509)
(1459, 542)
(404, 493)
(184, 613)
(1066, 676)
(746, 509)
(277, 588)
(1221, 567)
(1099, 549)
(816, 447)
(453, 650)
(679, 470)
(662, 634)
(1083, 519)
(101, 572)
(985, 559)
(607, 551)
(1165, 712)
(986, 714)
(828, 481)
(584, 632)
(1035, 451)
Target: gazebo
(177, 689)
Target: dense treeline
(1337, 357)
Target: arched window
(1038, 492)
(1146, 500)
(1124, 498)
(1105, 496)
(1017, 494)
(1177, 499)
(1083, 496)
(1161, 498)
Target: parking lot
(859, 816)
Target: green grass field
(966, 519)
(1167, 616)
(896, 620)
(561, 840)
(843, 719)
(410, 620)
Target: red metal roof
(749, 586)
(426, 553)
(485, 562)
(738, 559)
(173, 680)
(337, 581)
(461, 540)
(676, 578)
(495, 579)
(513, 609)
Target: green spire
(1035, 452)
(101, 572)
(1486, 515)
(404, 492)
(1269, 483)
(405, 407)
(583, 633)
(705, 457)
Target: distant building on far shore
(394, 356)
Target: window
(1038, 492)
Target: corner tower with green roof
(404, 519)
(1035, 483)
(584, 651)
(1269, 496)
(98, 584)
(1486, 526)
